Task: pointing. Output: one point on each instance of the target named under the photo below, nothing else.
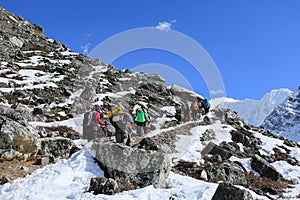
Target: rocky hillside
(45, 89)
(44, 84)
(285, 119)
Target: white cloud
(85, 48)
(89, 34)
(217, 92)
(165, 26)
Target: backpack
(206, 104)
(117, 117)
(89, 118)
(115, 111)
(142, 115)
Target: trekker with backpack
(186, 111)
(141, 119)
(200, 108)
(129, 121)
(206, 106)
(194, 108)
(92, 123)
(119, 121)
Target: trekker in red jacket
(92, 123)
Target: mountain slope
(188, 146)
(45, 86)
(285, 119)
(255, 111)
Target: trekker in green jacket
(142, 117)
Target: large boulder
(16, 133)
(228, 172)
(239, 137)
(264, 168)
(185, 93)
(131, 167)
(227, 191)
(85, 101)
(221, 150)
(102, 185)
(227, 116)
(56, 147)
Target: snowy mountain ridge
(284, 120)
(255, 111)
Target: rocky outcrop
(227, 191)
(133, 168)
(229, 172)
(214, 170)
(102, 185)
(22, 140)
(55, 148)
(16, 134)
(264, 168)
(185, 93)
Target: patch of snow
(124, 79)
(68, 53)
(189, 147)
(37, 51)
(246, 163)
(289, 172)
(4, 80)
(50, 40)
(3, 63)
(170, 110)
(70, 100)
(184, 187)
(21, 64)
(101, 68)
(75, 123)
(295, 152)
(222, 133)
(63, 180)
(268, 144)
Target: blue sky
(254, 44)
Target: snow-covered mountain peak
(255, 111)
(275, 96)
(285, 119)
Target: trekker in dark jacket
(92, 123)
(186, 111)
(206, 106)
(119, 120)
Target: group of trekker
(120, 118)
(123, 122)
(195, 110)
